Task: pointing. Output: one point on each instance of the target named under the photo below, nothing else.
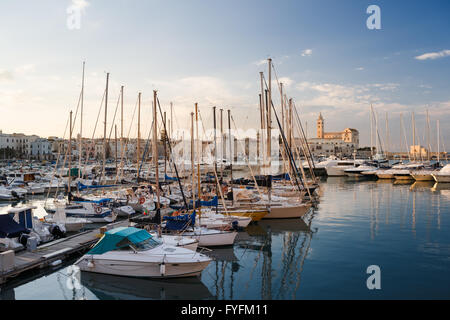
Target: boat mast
(198, 160)
(171, 120)
(155, 159)
(223, 145)
(263, 119)
(104, 127)
(81, 125)
(438, 146)
(121, 119)
(282, 125)
(70, 155)
(138, 153)
(115, 136)
(404, 135)
(192, 161)
(231, 157)
(371, 132)
(269, 117)
(387, 137)
(165, 149)
(215, 154)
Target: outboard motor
(23, 239)
(14, 194)
(56, 231)
(235, 225)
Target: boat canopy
(170, 178)
(81, 186)
(180, 222)
(118, 238)
(99, 201)
(10, 228)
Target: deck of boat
(60, 249)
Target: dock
(51, 252)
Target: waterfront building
(418, 151)
(41, 149)
(16, 144)
(342, 144)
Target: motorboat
(124, 211)
(92, 211)
(338, 170)
(20, 223)
(442, 175)
(405, 173)
(358, 172)
(132, 252)
(71, 224)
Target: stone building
(341, 144)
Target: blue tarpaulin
(118, 238)
(180, 222)
(83, 186)
(214, 202)
(10, 228)
(170, 178)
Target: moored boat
(133, 252)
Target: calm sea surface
(402, 228)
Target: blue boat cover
(180, 222)
(211, 203)
(214, 202)
(10, 228)
(83, 186)
(118, 238)
(100, 201)
(170, 178)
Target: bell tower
(320, 127)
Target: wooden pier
(51, 252)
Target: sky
(211, 52)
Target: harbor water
(404, 229)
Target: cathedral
(348, 135)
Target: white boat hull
(287, 212)
(142, 269)
(337, 171)
(441, 178)
(222, 238)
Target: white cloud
(306, 52)
(80, 4)
(286, 81)
(434, 55)
(27, 68)
(260, 62)
(359, 68)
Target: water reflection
(108, 287)
(403, 228)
